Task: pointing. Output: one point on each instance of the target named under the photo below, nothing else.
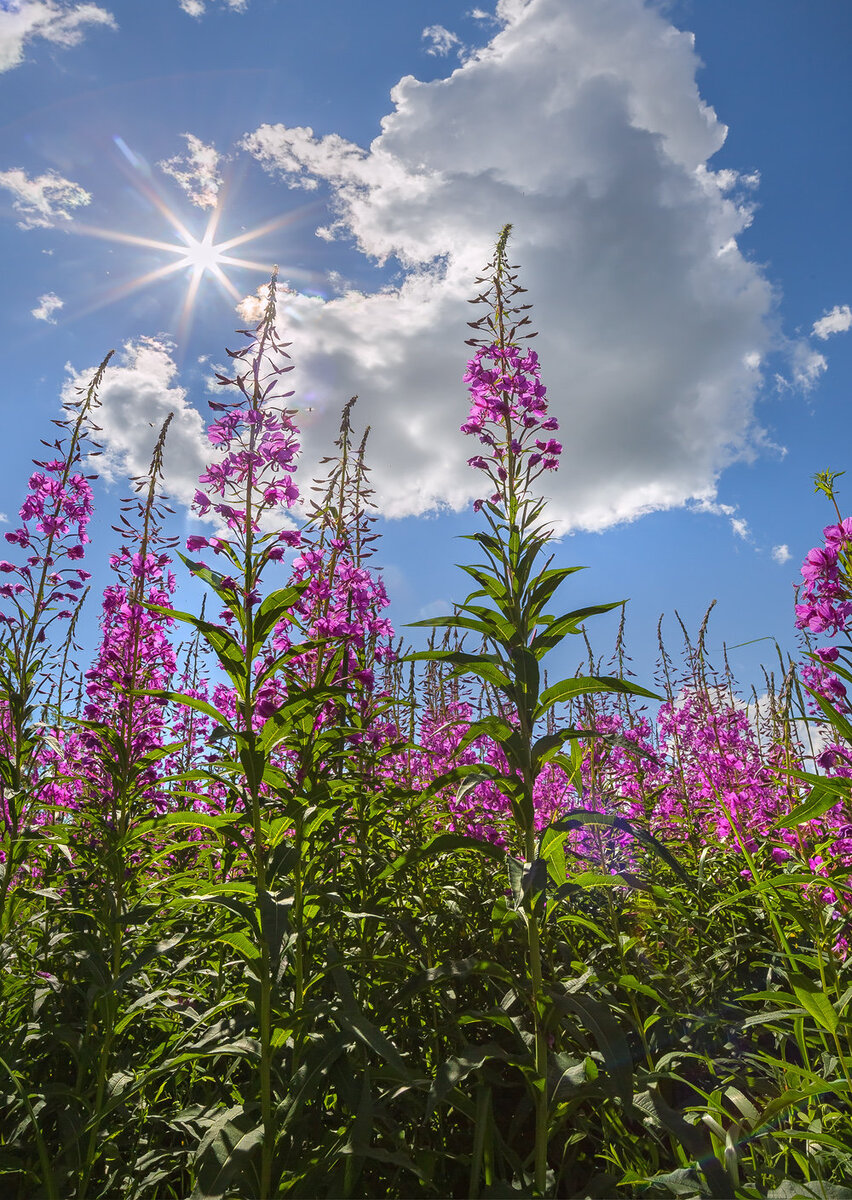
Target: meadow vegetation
(289, 909)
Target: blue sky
(677, 176)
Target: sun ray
(189, 301)
(120, 290)
(226, 260)
(223, 279)
(260, 230)
(132, 239)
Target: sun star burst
(197, 257)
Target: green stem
(110, 1007)
(541, 1106)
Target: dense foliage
(289, 911)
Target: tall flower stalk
(265, 720)
(508, 610)
(43, 589)
(113, 758)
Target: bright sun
(202, 256)
(197, 257)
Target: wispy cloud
(196, 172)
(836, 321)
(197, 8)
(47, 305)
(739, 525)
(42, 200)
(781, 554)
(63, 24)
(807, 366)
(441, 41)
(653, 324)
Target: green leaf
(351, 1018)
(274, 607)
(147, 955)
(320, 1057)
(238, 941)
(442, 843)
(790, 1189)
(360, 1133)
(555, 629)
(275, 925)
(496, 728)
(792, 1098)
(820, 799)
(227, 895)
(526, 672)
(814, 1000)
(193, 702)
(836, 718)
(545, 585)
(293, 709)
(694, 1142)
(570, 689)
(608, 1034)
(491, 626)
(226, 1156)
(579, 817)
(455, 1069)
(552, 851)
(528, 881)
(486, 666)
(547, 747)
(460, 968)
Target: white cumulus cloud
(196, 172)
(47, 305)
(836, 321)
(139, 390)
(781, 554)
(43, 200)
(651, 339)
(22, 21)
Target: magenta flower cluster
(827, 608)
(508, 415)
(257, 449)
(827, 604)
(135, 654)
(54, 516)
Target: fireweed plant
(36, 593)
(509, 418)
(292, 910)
